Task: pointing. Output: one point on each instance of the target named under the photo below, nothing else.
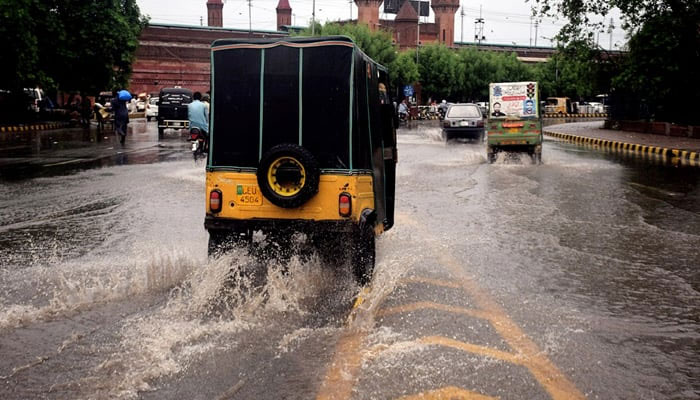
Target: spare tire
(288, 175)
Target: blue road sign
(408, 90)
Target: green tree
(578, 71)
(404, 71)
(73, 46)
(441, 73)
(661, 69)
(662, 60)
(479, 68)
(377, 45)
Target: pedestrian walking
(121, 114)
(86, 112)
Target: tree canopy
(660, 66)
(377, 45)
(464, 74)
(82, 46)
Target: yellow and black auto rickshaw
(302, 139)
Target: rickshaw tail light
(345, 205)
(215, 201)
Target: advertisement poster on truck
(511, 100)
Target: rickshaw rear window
(326, 104)
(236, 107)
(281, 97)
(305, 100)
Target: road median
(683, 150)
(43, 126)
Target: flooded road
(576, 278)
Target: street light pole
(462, 37)
(313, 18)
(418, 39)
(250, 18)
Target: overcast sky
(506, 21)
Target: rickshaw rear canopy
(319, 93)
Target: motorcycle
(199, 143)
(442, 111)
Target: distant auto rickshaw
(172, 109)
(514, 120)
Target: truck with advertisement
(514, 122)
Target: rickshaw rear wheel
(363, 257)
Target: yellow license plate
(512, 130)
(248, 195)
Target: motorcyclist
(442, 108)
(403, 109)
(198, 114)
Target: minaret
(406, 23)
(368, 12)
(445, 11)
(215, 10)
(284, 14)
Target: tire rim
(286, 176)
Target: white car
(152, 108)
(596, 107)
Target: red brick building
(178, 55)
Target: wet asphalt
(576, 278)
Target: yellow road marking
(448, 393)
(427, 305)
(360, 299)
(343, 370)
(546, 373)
(472, 348)
(431, 281)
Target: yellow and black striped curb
(424, 118)
(661, 151)
(34, 127)
(582, 115)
